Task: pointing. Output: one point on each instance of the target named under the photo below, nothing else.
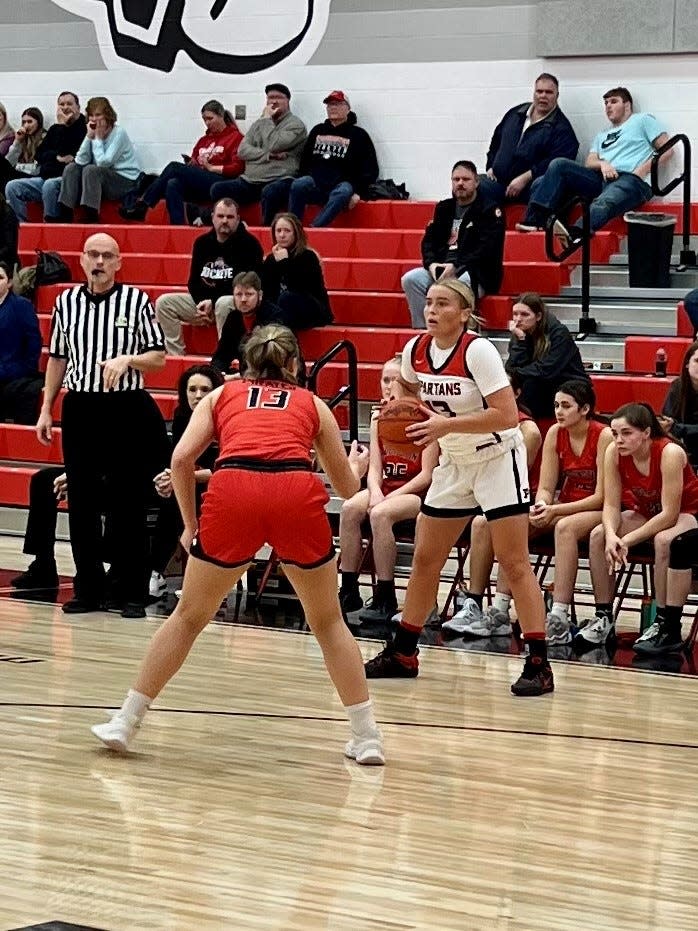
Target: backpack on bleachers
(387, 189)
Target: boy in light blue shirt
(615, 177)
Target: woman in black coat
(292, 276)
(543, 354)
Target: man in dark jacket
(338, 163)
(57, 149)
(528, 138)
(465, 240)
(251, 310)
(218, 256)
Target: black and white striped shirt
(87, 329)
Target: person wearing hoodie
(214, 156)
(338, 164)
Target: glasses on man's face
(95, 255)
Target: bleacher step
(619, 318)
(13, 522)
(617, 277)
(668, 295)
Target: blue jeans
(496, 192)
(564, 179)
(246, 192)
(23, 191)
(305, 191)
(178, 184)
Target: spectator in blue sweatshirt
(105, 165)
(338, 163)
(20, 346)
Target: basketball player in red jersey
(397, 481)
(650, 493)
(262, 491)
(482, 467)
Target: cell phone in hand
(186, 158)
(438, 271)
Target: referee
(103, 338)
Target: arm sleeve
(250, 149)
(108, 153)
(228, 344)
(83, 156)
(490, 242)
(561, 351)
(14, 153)
(366, 166)
(233, 165)
(149, 333)
(494, 145)
(194, 283)
(32, 340)
(56, 343)
(652, 126)
(486, 366)
(407, 372)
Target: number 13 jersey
(455, 381)
(265, 420)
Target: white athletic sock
(501, 602)
(561, 610)
(135, 705)
(361, 719)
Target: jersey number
(268, 398)
(441, 407)
(394, 469)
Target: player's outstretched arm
(343, 472)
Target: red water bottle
(660, 363)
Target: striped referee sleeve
(149, 332)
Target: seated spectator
(194, 384)
(217, 257)
(47, 488)
(650, 495)
(664, 635)
(7, 133)
(337, 166)
(616, 172)
(215, 155)
(105, 166)
(680, 411)
(471, 620)
(543, 354)
(251, 309)
(292, 276)
(58, 149)
(20, 348)
(528, 138)
(396, 489)
(9, 234)
(465, 240)
(271, 150)
(20, 161)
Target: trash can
(650, 241)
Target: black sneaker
(133, 609)
(377, 613)
(36, 577)
(137, 212)
(536, 678)
(391, 665)
(82, 606)
(662, 642)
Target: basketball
(395, 416)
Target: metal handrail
(688, 255)
(348, 391)
(587, 324)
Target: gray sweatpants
(89, 184)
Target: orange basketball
(395, 416)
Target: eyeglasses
(94, 255)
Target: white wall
(422, 116)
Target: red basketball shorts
(243, 509)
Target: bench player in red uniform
(262, 491)
(650, 494)
(397, 481)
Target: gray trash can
(650, 241)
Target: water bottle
(648, 612)
(660, 363)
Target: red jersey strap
(455, 364)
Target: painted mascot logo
(222, 36)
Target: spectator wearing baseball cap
(338, 163)
(271, 151)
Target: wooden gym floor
(237, 810)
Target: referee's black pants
(113, 445)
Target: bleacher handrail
(688, 255)
(347, 392)
(587, 324)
